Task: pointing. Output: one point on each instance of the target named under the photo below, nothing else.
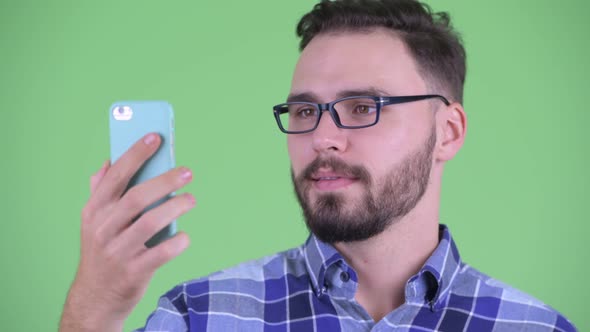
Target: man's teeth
(329, 178)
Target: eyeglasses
(349, 113)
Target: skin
(330, 65)
(115, 267)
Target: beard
(331, 218)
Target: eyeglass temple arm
(407, 99)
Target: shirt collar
(319, 256)
(439, 271)
(432, 283)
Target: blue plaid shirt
(312, 288)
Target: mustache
(336, 165)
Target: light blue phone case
(129, 122)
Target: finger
(132, 239)
(153, 258)
(97, 177)
(115, 181)
(141, 196)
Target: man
(373, 115)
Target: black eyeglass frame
(379, 102)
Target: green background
(514, 197)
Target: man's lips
(325, 181)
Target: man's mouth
(328, 181)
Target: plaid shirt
(312, 288)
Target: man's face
(353, 183)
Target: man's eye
(364, 109)
(305, 112)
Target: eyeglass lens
(354, 112)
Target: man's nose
(327, 136)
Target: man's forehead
(334, 63)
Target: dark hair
(430, 38)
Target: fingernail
(102, 168)
(191, 199)
(149, 139)
(186, 174)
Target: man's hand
(115, 265)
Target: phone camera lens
(122, 113)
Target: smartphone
(129, 121)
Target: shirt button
(344, 276)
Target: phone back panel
(145, 117)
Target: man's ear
(451, 123)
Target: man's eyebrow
(370, 91)
(304, 96)
(313, 98)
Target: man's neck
(385, 262)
